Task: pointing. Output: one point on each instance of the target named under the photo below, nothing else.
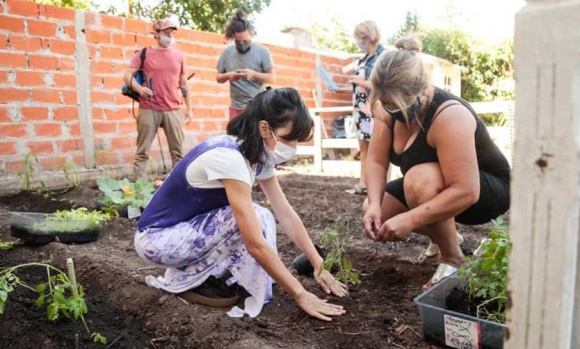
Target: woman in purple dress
(202, 223)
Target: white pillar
(544, 312)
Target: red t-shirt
(163, 68)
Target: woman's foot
(432, 254)
(213, 292)
(443, 271)
(358, 190)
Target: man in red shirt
(164, 82)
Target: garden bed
(380, 312)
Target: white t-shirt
(208, 169)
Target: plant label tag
(133, 212)
(461, 333)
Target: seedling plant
(60, 295)
(336, 245)
(120, 193)
(487, 273)
(71, 221)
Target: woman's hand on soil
(329, 284)
(316, 307)
(372, 222)
(395, 229)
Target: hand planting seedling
(336, 244)
(120, 193)
(487, 273)
(60, 293)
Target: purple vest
(176, 201)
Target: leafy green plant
(30, 165)
(60, 295)
(71, 174)
(336, 245)
(6, 245)
(120, 193)
(487, 273)
(72, 221)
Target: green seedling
(30, 165)
(336, 245)
(6, 245)
(487, 273)
(60, 296)
(71, 174)
(120, 193)
(73, 221)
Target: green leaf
(40, 301)
(40, 288)
(98, 338)
(3, 295)
(52, 311)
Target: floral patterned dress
(362, 113)
(192, 233)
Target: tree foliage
(334, 37)
(206, 15)
(76, 4)
(410, 25)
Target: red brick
(57, 12)
(70, 145)
(96, 81)
(74, 129)
(122, 39)
(112, 83)
(13, 95)
(119, 114)
(101, 97)
(70, 31)
(5, 114)
(144, 40)
(79, 160)
(13, 130)
(11, 24)
(7, 148)
(41, 28)
(112, 22)
(14, 166)
(23, 8)
(109, 52)
(102, 67)
(3, 42)
(104, 127)
(12, 60)
(30, 78)
(53, 163)
(66, 64)
(127, 127)
(52, 129)
(122, 143)
(65, 47)
(46, 96)
(28, 44)
(136, 26)
(34, 113)
(42, 62)
(98, 36)
(67, 113)
(107, 158)
(40, 147)
(64, 80)
(69, 97)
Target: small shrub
(487, 273)
(120, 193)
(336, 245)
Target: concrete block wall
(61, 76)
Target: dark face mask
(412, 111)
(243, 46)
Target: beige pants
(147, 124)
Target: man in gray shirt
(246, 65)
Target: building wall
(61, 75)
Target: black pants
(494, 199)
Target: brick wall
(61, 74)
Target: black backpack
(138, 75)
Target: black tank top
(489, 158)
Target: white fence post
(543, 311)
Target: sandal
(213, 293)
(443, 271)
(358, 190)
(431, 255)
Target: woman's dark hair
(238, 24)
(278, 107)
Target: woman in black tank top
(452, 170)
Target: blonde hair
(399, 76)
(370, 29)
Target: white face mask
(165, 41)
(281, 153)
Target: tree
(411, 25)
(76, 4)
(206, 15)
(334, 37)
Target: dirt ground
(132, 315)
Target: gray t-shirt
(258, 58)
